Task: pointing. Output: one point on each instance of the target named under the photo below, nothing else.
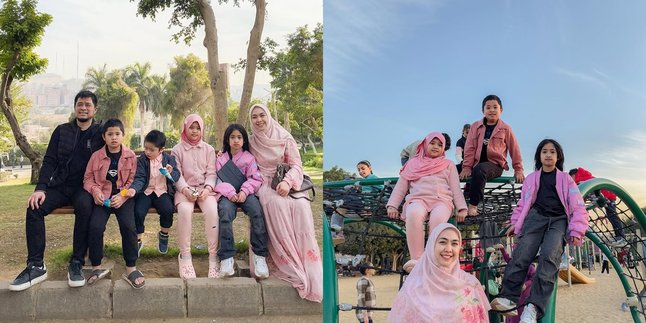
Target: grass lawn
(13, 246)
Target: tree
(20, 108)
(189, 15)
(138, 78)
(253, 54)
(356, 241)
(187, 90)
(95, 78)
(297, 73)
(336, 173)
(21, 30)
(156, 97)
(117, 100)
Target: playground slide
(577, 276)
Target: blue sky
(574, 71)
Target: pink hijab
(268, 146)
(187, 124)
(422, 165)
(436, 294)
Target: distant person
(364, 168)
(366, 296)
(550, 209)
(590, 261)
(60, 183)
(410, 150)
(22, 159)
(431, 188)
(459, 146)
(607, 200)
(604, 264)
(437, 290)
(152, 188)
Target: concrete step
(161, 298)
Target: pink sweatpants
(185, 225)
(415, 216)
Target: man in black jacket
(61, 183)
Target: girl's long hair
(227, 133)
(560, 158)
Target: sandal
(214, 267)
(97, 274)
(186, 270)
(132, 279)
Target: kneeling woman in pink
(196, 161)
(437, 290)
(293, 251)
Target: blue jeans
(545, 232)
(227, 211)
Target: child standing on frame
(434, 187)
(550, 210)
(196, 161)
(238, 181)
(485, 151)
(153, 188)
(108, 177)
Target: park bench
(70, 210)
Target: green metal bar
(380, 181)
(330, 283)
(401, 231)
(550, 310)
(592, 185)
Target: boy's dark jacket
(143, 173)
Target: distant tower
(77, 59)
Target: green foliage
(313, 160)
(172, 139)
(134, 142)
(297, 73)
(21, 107)
(336, 173)
(357, 242)
(22, 29)
(187, 90)
(117, 100)
(242, 246)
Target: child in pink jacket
(434, 187)
(238, 181)
(196, 162)
(485, 151)
(108, 176)
(550, 209)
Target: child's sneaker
(529, 314)
(140, 245)
(30, 276)
(186, 270)
(75, 277)
(260, 267)
(163, 242)
(504, 306)
(226, 267)
(618, 242)
(214, 267)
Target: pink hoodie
(502, 140)
(568, 194)
(246, 162)
(96, 171)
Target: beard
(83, 119)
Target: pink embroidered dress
(293, 250)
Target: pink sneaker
(186, 270)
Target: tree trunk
(309, 138)
(286, 125)
(35, 158)
(253, 53)
(217, 88)
(142, 111)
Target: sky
(574, 71)
(109, 32)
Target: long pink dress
(294, 255)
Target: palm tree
(156, 95)
(138, 77)
(95, 78)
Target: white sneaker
(618, 242)
(501, 304)
(226, 267)
(529, 314)
(260, 267)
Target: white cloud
(583, 77)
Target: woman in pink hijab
(437, 290)
(433, 184)
(196, 161)
(294, 254)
